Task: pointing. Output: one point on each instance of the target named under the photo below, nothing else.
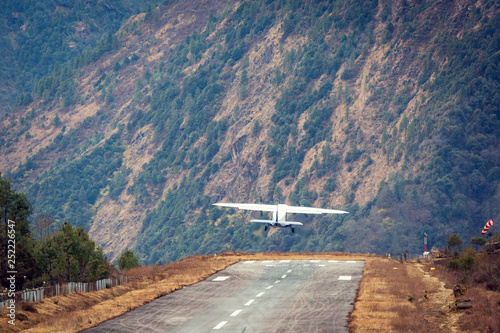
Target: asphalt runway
(254, 296)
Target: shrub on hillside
(487, 273)
(464, 261)
(128, 260)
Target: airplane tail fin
(282, 223)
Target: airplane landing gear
(265, 228)
(293, 230)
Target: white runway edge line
(249, 262)
(344, 278)
(249, 302)
(220, 325)
(235, 313)
(221, 278)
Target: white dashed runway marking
(235, 313)
(221, 278)
(345, 278)
(220, 325)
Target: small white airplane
(279, 213)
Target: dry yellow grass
(395, 297)
(382, 302)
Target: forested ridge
(36, 38)
(40, 254)
(388, 110)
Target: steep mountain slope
(36, 38)
(389, 110)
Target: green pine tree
(128, 260)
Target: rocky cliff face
(246, 101)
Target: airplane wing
(312, 210)
(258, 207)
(273, 208)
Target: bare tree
(43, 225)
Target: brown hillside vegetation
(392, 297)
(116, 224)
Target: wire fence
(34, 295)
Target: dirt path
(440, 299)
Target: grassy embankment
(392, 297)
(395, 297)
(482, 279)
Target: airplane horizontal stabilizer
(290, 223)
(282, 223)
(262, 221)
